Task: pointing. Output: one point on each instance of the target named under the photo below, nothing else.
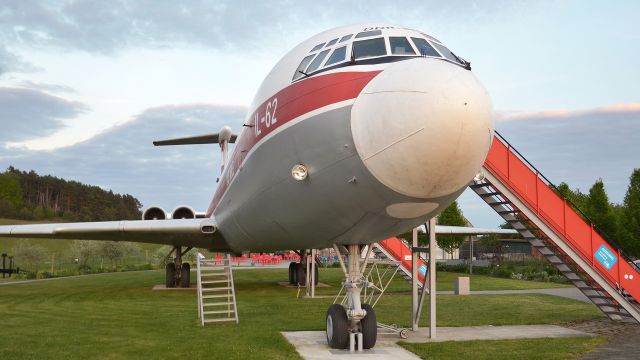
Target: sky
(85, 86)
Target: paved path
(569, 292)
(623, 339)
(312, 345)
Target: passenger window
(447, 53)
(369, 48)
(302, 66)
(331, 42)
(315, 64)
(317, 47)
(338, 55)
(368, 33)
(346, 37)
(400, 46)
(424, 47)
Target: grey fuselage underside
(340, 202)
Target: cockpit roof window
(369, 48)
(400, 46)
(447, 53)
(338, 55)
(315, 64)
(431, 38)
(332, 42)
(317, 47)
(368, 33)
(424, 47)
(302, 66)
(346, 37)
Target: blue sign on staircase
(606, 257)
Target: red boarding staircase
(398, 250)
(524, 198)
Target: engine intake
(154, 213)
(183, 212)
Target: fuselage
(390, 125)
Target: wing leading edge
(180, 232)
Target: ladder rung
(216, 296)
(214, 281)
(212, 312)
(218, 320)
(217, 304)
(216, 289)
(214, 267)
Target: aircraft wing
(464, 230)
(178, 232)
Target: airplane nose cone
(423, 127)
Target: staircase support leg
(414, 282)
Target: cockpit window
(368, 33)
(447, 53)
(369, 48)
(317, 47)
(346, 37)
(315, 64)
(302, 66)
(331, 42)
(400, 46)
(338, 55)
(424, 47)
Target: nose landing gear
(355, 322)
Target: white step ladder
(216, 292)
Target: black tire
(170, 275)
(369, 327)
(337, 327)
(292, 273)
(301, 274)
(185, 275)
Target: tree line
(30, 196)
(618, 223)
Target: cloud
(107, 26)
(124, 160)
(29, 113)
(579, 147)
(10, 62)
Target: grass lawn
(117, 316)
(542, 349)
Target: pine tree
(629, 224)
(599, 210)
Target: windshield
(369, 48)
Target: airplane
(357, 134)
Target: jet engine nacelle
(183, 212)
(154, 213)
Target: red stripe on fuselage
(289, 103)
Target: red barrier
(402, 253)
(529, 186)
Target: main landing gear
(178, 274)
(298, 270)
(355, 322)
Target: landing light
(299, 172)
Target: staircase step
(218, 320)
(496, 203)
(490, 194)
(479, 185)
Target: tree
(10, 195)
(599, 209)
(32, 255)
(629, 224)
(452, 215)
(83, 251)
(116, 250)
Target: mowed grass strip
(530, 349)
(118, 316)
